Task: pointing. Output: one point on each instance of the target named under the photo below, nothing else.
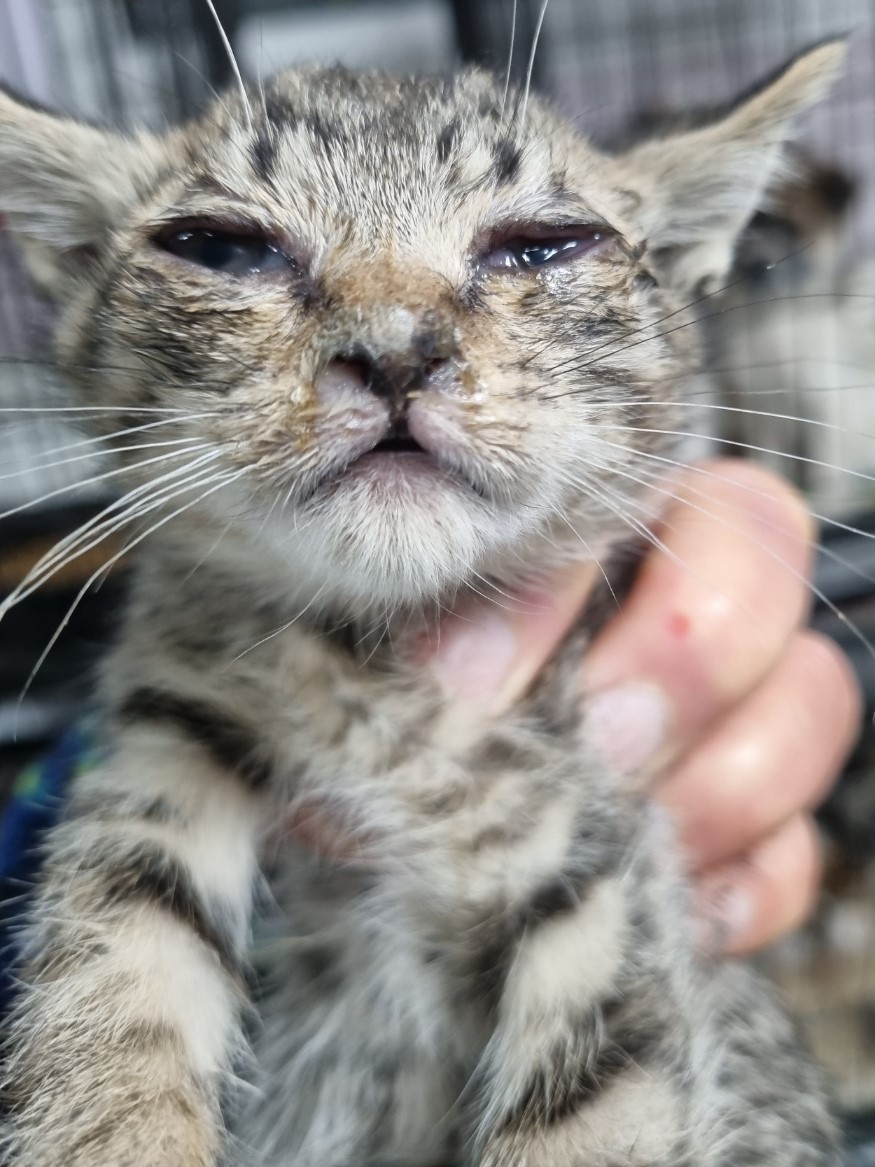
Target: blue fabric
(34, 805)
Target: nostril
(365, 364)
(342, 378)
(354, 373)
(360, 368)
(384, 376)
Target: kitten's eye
(225, 251)
(524, 252)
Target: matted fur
(497, 969)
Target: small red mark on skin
(679, 625)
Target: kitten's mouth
(400, 462)
(399, 459)
(399, 443)
(398, 440)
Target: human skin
(707, 682)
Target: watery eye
(226, 252)
(526, 252)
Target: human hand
(706, 681)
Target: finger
(748, 904)
(776, 753)
(490, 652)
(709, 614)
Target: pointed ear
(64, 185)
(700, 187)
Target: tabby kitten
(401, 337)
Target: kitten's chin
(393, 531)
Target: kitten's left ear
(699, 188)
(64, 185)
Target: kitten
(405, 336)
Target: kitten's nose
(395, 374)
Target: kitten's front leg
(586, 1064)
(540, 878)
(553, 888)
(128, 1020)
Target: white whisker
(509, 58)
(590, 553)
(600, 492)
(531, 65)
(828, 552)
(693, 468)
(725, 311)
(225, 480)
(283, 627)
(130, 430)
(93, 480)
(795, 573)
(233, 62)
(37, 466)
(210, 551)
(670, 315)
(95, 409)
(805, 459)
(75, 545)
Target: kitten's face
(421, 324)
(438, 371)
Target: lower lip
(400, 466)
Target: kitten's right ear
(63, 184)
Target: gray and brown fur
(499, 970)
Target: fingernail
(626, 725)
(725, 914)
(474, 656)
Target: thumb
(490, 653)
